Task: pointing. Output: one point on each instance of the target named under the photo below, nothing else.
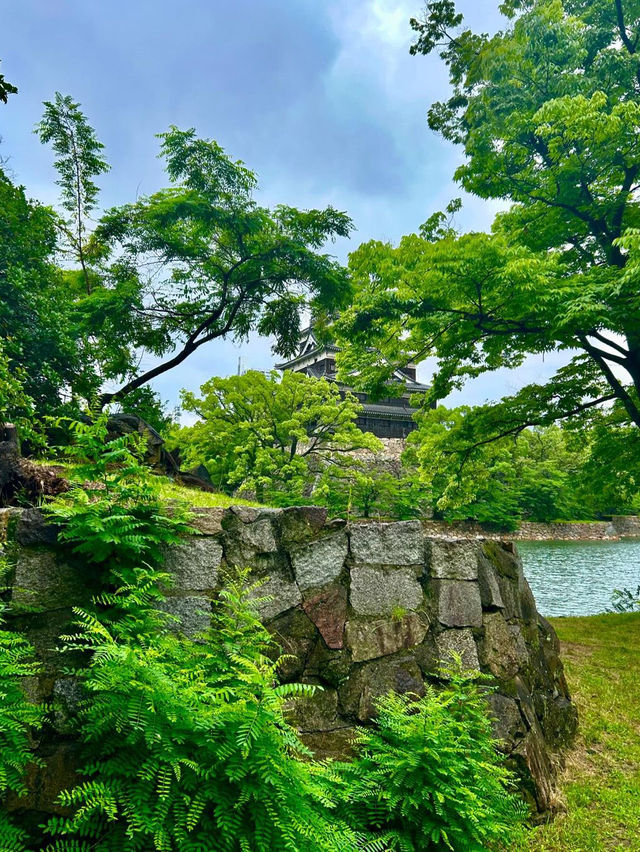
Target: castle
(386, 418)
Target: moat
(579, 577)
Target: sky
(320, 97)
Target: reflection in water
(579, 577)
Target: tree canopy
(548, 113)
(205, 261)
(270, 433)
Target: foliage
(113, 514)
(18, 718)
(361, 489)
(624, 600)
(270, 434)
(188, 741)
(15, 405)
(202, 260)
(43, 350)
(6, 89)
(547, 111)
(427, 775)
(114, 518)
(79, 161)
(183, 741)
(542, 474)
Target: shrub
(427, 776)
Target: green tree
(79, 161)
(542, 474)
(270, 434)
(548, 113)
(208, 262)
(36, 324)
(483, 488)
(361, 488)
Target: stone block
(250, 533)
(194, 564)
(504, 557)
(455, 559)
(460, 642)
(397, 543)
(336, 744)
(301, 523)
(370, 681)
(208, 519)
(488, 582)
(320, 561)
(375, 591)
(33, 528)
(370, 639)
(506, 722)
(43, 582)
(498, 649)
(193, 613)
(328, 612)
(67, 695)
(282, 594)
(316, 713)
(459, 603)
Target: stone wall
(626, 526)
(618, 527)
(360, 609)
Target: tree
(548, 112)
(79, 161)
(37, 330)
(207, 262)
(577, 471)
(268, 433)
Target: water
(579, 577)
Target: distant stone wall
(617, 527)
(626, 526)
(360, 609)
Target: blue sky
(320, 97)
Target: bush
(427, 776)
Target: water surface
(579, 577)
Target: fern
(18, 717)
(187, 741)
(427, 775)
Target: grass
(600, 784)
(169, 490)
(194, 497)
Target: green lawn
(600, 784)
(194, 497)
